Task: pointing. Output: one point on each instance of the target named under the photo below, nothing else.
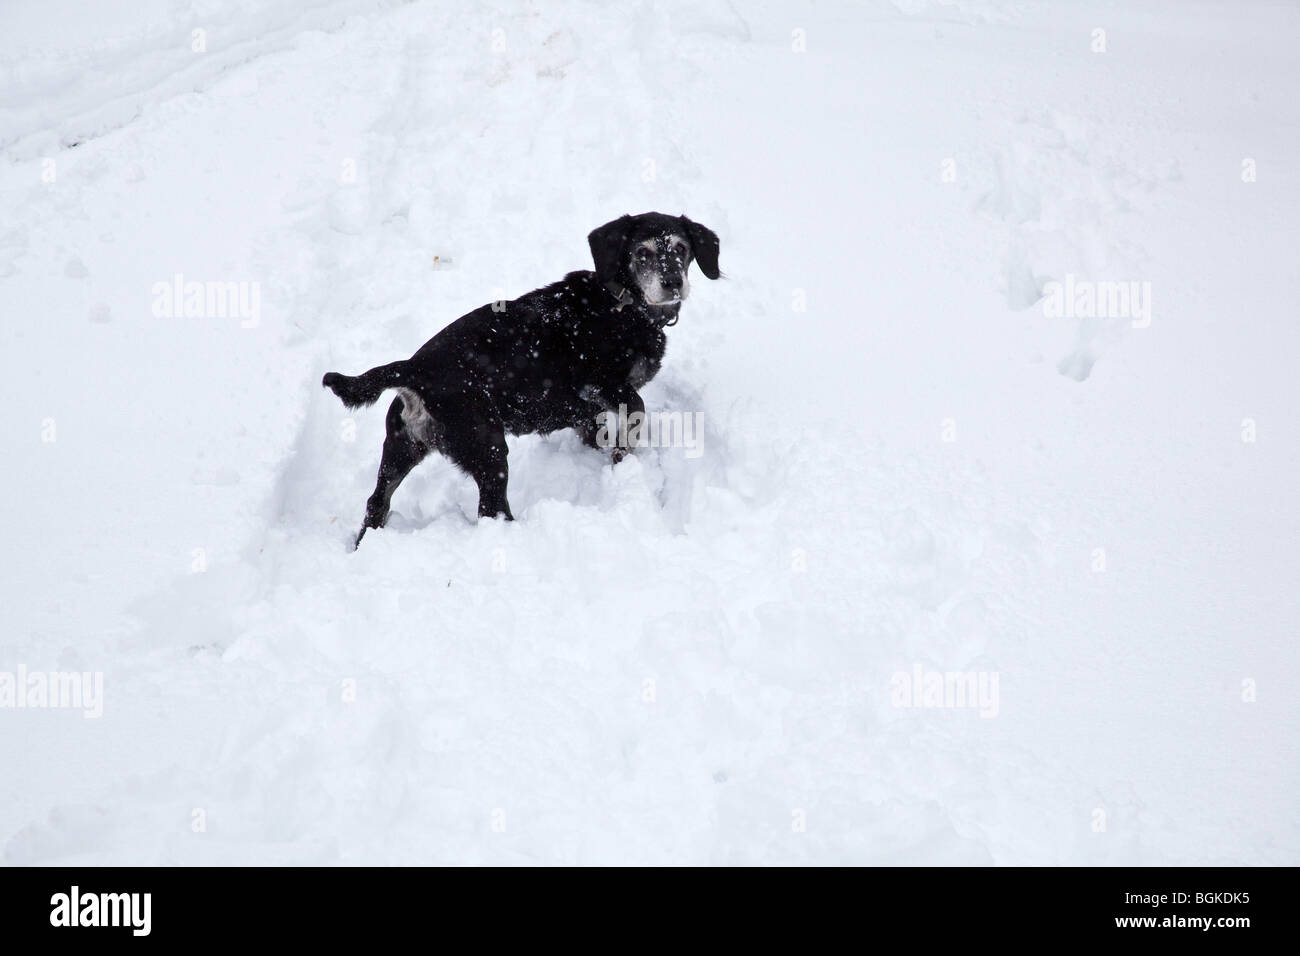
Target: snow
(906, 466)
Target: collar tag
(620, 293)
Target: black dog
(559, 357)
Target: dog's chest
(616, 353)
(642, 354)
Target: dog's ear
(704, 242)
(607, 243)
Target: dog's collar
(625, 297)
(620, 293)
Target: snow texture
(907, 465)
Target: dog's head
(649, 255)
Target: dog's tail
(365, 389)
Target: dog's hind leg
(493, 474)
(405, 446)
(475, 439)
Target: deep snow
(906, 464)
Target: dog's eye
(679, 250)
(643, 254)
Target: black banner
(1160, 906)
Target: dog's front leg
(629, 412)
(616, 420)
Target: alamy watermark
(1085, 299)
(651, 430)
(130, 910)
(208, 300)
(65, 690)
(921, 688)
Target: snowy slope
(906, 464)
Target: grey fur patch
(648, 274)
(641, 373)
(420, 425)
